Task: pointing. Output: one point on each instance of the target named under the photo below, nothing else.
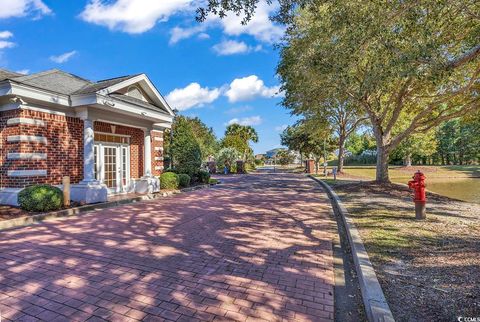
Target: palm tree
(245, 134)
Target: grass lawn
(398, 173)
(429, 270)
(458, 182)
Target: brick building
(107, 136)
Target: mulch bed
(9, 212)
(429, 270)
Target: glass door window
(112, 166)
(125, 158)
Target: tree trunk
(408, 160)
(382, 165)
(382, 140)
(341, 152)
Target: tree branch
(465, 58)
(398, 105)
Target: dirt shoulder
(429, 270)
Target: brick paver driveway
(255, 247)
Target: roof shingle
(95, 87)
(6, 74)
(53, 80)
(61, 82)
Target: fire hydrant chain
(420, 199)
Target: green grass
(388, 226)
(458, 182)
(397, 172)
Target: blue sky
(220, 71)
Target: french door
(112, 166)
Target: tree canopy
(203, 135)
(246, 8)
(408, 65)
(239, 137)
(185, 148)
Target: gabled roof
(102, 84)
(53, 80)
(6, 74)
(133, 100)
(58, 81)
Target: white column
(147, 158)
(88, 153)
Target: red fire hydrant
(420, 199)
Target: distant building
(272, 153)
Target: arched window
(134, 91)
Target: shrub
(40, 198)
(250, 167)
(259, 162)
(227, 157)
(184, 180)
(187, 155)
(169, 180)
(203, 176)
(213, 181)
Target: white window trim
(99, 145)
(120, 135)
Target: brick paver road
(254, 247)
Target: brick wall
(64, 148)
(157, 153)
(136, 144)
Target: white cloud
(178, 33)
(63, 58)
(247, 121)
(192, 96)
(281, 128)
(20, 8)
(138, 16)
(260, 26)
(133, 16)
(232, 47)
(5, 34)
(5, 43)
(247, 88)
(203, 35)
(23, 71)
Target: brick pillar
(240, 167)
(212, 166)
(310, 166)
(157, 152)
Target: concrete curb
(37, 218)
(376, 306)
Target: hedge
(40, 198)
(184, 180)
(203, 176)
(169, 180)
